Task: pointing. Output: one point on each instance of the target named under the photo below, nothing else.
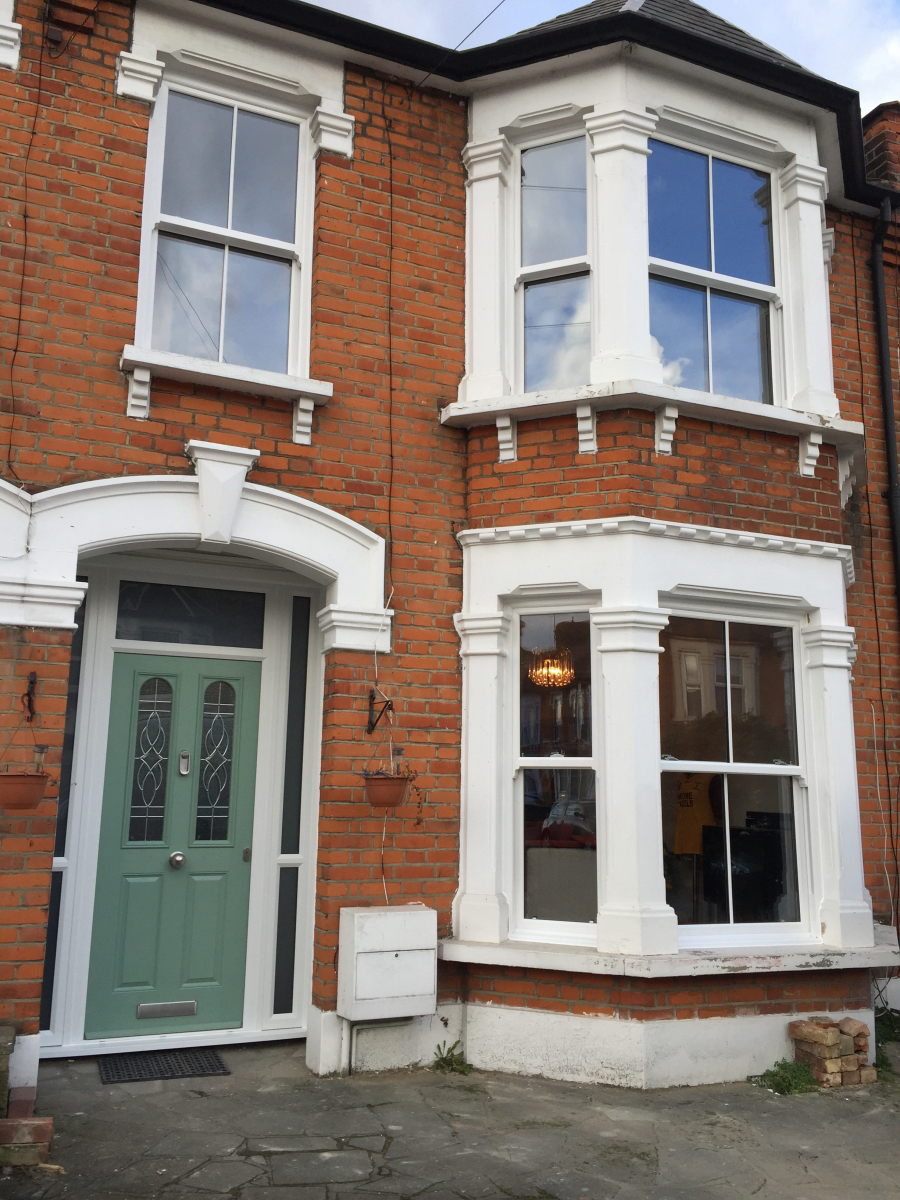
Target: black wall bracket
(388, 706)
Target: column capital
(829, 646)
(332, 130)
(139, 73)
(624, 129)
(487, 160)
(629, 630)
(804, 181)
(482, 634)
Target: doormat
(160, 1064)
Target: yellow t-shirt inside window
(694, 810)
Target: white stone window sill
(745, 960)
(667, 402)
(141, 365)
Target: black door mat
(160, 1064)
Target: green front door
(169, 937)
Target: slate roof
(683, 15)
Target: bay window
(711, 272)
(728, 734)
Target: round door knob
(176, 860)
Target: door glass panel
(558, 333)
(265, 176)
(216, 757)
(151, 762)
(678, 333)
(678, 199)
(554, 202)
(187, 302)
(162, 612)
(197, 160)
(560, 827)
(555, 685)
(257, 308)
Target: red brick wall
(882, 127)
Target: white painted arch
(43, 538)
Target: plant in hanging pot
(23, 790)
(388, 787)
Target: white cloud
(855, 42)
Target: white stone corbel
(355, 628)
(221, 471)
(139, 73)
(507, 439)
(828, 243)
(332, 129)
(301, 426)
(10, 37)
(810, 445)
(139, 384)
(586, 417)
(846, 475)
(666, 423)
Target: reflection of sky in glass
(188, 297)
(256, 311)
(678, 329)
(678, 197)
(265, 177)
(197, 160)
(739, 347)
(554, 202)
(741, 209)
(557, 333)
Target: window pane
(678, 196)
(740, 347)
(161, 612)
(554, 202)
(151, 762)
(692, 702)
(763, 850)
(742, 218)
(560, 846)
(187, 301)
(678, 330)
(693, 819)
(197, 159)
(265, 177)
(257, 306)
(763, 716)
(216, 758)
(555, 687)
(557, 333)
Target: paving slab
(327, 1166)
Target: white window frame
(155, 222)
(563, 268)
(715, 281)
(533, 929)
(774, 932)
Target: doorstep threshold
(737, 960)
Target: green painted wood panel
(162, 934)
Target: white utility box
(387, 963)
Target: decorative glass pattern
(151, 762)
(217, 756)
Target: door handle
(246, 855)
(176, 860)
(184, 763)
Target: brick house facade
(416, 519)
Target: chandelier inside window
(551, 668)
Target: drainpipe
(887, 383)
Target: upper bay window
(711, 272)
(555, 270)
(227, 234)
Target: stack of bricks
(837, 1051)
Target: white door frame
(79, 867)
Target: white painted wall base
(23, 1062)
(642, 1054)
(379, 1046)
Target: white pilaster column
(810, 375)
(633, 916)
(482, 913)
(621, 291)
(488, 166)
(845, 908)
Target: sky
(854, 42)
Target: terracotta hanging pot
(22, 790)
(386, 791)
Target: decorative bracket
(587, 429)
(388, 706)
(301, 428)
(10, 37)
(138, 74)
(139, 383)
(506, 439)
(846, 475)
(810, 445)
(666, 422)
(221, 471)
(332, 130)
